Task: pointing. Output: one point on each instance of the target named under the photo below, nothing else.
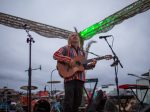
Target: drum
(24, 100)
(41, 106)
(42, 94)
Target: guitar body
(67, 71)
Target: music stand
(90, 99)
(136, 86)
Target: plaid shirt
(65, 54)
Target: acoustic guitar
(67, 71)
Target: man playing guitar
(73, 84)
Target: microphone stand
(115, 64)
(29, 40)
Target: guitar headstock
(108, 57)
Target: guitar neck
(97, 59)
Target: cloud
(131, 41)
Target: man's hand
(93, 63)
(72, 63)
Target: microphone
(25, 26)
(101, 37)
(40, 67)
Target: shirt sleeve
(61, 55)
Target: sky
(131, 41)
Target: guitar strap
(68, 51)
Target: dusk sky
(131, 41)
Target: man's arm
(59, 55)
